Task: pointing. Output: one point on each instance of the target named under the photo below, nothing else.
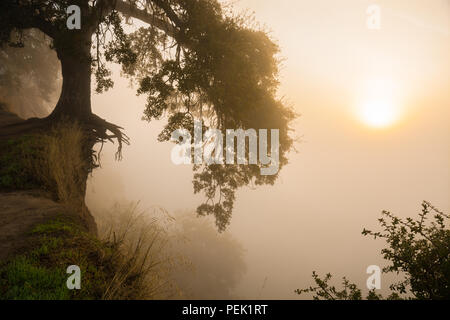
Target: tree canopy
(191, 58)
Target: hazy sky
(341, 77)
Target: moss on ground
(40, 273)
(15, 173)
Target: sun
(378, 113)
(378, 102)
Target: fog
(30, 78)
(344, 173)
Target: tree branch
(129, 8)
(28, 17)
(169, 12)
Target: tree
(417, 249)
(192, 59)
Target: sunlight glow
(378, 104)
(378, 114)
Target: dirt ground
(19, 213)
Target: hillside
(45, 226)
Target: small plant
(419, 249)
(325, 291)
(138, 242)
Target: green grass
(26, 280)
(109, 270)
(40, 273)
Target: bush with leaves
(418, 249)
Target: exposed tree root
(99, 129)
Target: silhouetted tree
(190, 58)
(416, 248)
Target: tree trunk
(74, 103)
(75, 99)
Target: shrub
(419, 249)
